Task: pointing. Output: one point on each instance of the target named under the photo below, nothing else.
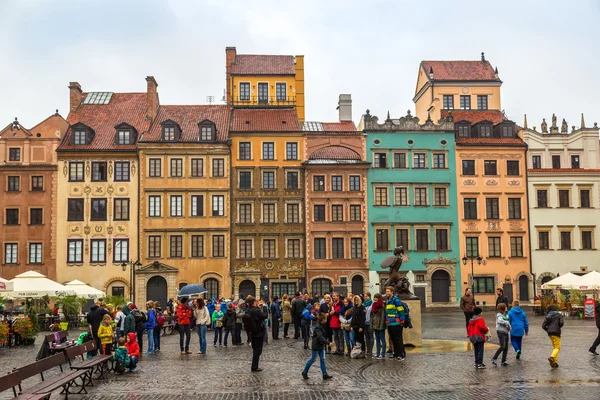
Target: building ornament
(544, 126)
(407, 123)
(87, 168)
(440, 260)
(65, 169)
(494, 226)
(564, 128)
(515, 226)
(110, 168)
(514, 182)
(491, 182)
(469, 182)
(132, 168)
(87, 189)
(471, 226)
(554, 128)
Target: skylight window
(98, 98)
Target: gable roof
(460, 70)
(15, 127)
(102, 118)
(275, 120)
(258, 64)
(335, 153)
(187, 118)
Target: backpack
(160, 319)
(139, 316)
(250, 324)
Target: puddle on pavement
(446, 346)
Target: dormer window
(207, 131)
(463, 130)
(124, 137)
(169, 133)
(507, 131)
(125, 134)
(485, 130)
(82, 134)
(79, 137)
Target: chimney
(151, 98)
(75, 95)
(345, 107)
(431, 73)
(230, 54)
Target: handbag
(345, 323)
(219, 324)
(476, 339)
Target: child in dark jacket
(306, 319)
(319, 342)
(552, 325)
(229, 323)
(358, 323)
(478, 332)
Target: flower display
(24, 327)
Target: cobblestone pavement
(223, 373)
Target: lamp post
(132, 266)
(472, 258)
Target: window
(121, 252)
(381, 196)
(98, 253)
(176, 168)
(422, 238)
(268, 151)
(175, 246)
(448, 102)
(155, 207)
(492, 209)
(400, 160)
(584, 198)
(12, 216)
(439, 161)
(468, 167)
(381, 240)
(121, 210)
(79, 137)
(419, 160)
(197, 246)
(197, 206)
(484, 284)
(35, 253)
(245, 180)
(218, 167)
(465, 102)
(11, 253)
(380, 160)
(169, 133)
(542, 198)
(154, 246)
(245, 248)
(355, 183)
(75, 210)
(268, 216)
(197, 167)
(218, 205)
(401, 196)
(118, 291)
(37, 183)
(472, 246)
(516, 246)
(124, 137)
(212, 287)
(336, 183)
(293, 248)
(512, 168)
(14, 154)
(464, 130)
(292, 179)
(76, 171)
(155, 170)
(263, 92)
(319, 213)
(565, 240)
(586, 240)
(337, 248)
(245, 91)
(482, 102)
(494, 246)
(337, 212)
(355, 211)
(291, 151)
(121, 171)
(320, 249)
(356, 250)
(206, 133)
(280, 91)
(99, 171)
(489, 167)
(14, 183)
(218, 245)
(421, 197)
(402, 238)
(245, 151)
(36, 216)
(440, 198)
(318, 183)
(485, 130)
(564, 200)
(98, 210)
(514, 208)
(556, 162)
(293, 213)
(575, 162)
(508, 131)
(269, 248)
(544, 240)
(176, 206)
(245, 213)
(441, 239)
(268, 180)
(536, 162)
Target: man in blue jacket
(275, 317)
(396, 318)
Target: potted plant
(3, 334)
(71, 308)
(25, 329)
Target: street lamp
(132, 266)
(472, 258)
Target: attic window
(169, 133)
(123, 136)
(463, 130)
(485, 130)
(507, 131)
(79, 137)
(207, 131)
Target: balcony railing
(259, 101)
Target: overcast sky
(547, 52)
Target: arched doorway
(212, 288)
(358, 284)
(247, 288)
(523, 288)
(546, 279)
(156, 290)
(321, 286)
(440, 287)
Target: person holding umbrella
(184, 317)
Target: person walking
(501, 298)
(519, 326)
(184, 320)
(336, 326)
(298, 305)
(319, 341)
(597, 341)
(286, 311)
(552, 324)
(358, 323)
(467, 304)
(257, 329)
(149, 326)
(478, 333)
(275, 317)
(202, 322)
(378, 325)
(396, 315)
(502, 330)
(369, 339)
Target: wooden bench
(95, 365)
(169, 326)
(65, 380)
(62, 337)
(12, 381)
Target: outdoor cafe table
(55, 348)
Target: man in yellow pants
(552, 325)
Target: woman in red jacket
(184, 319)
(477, 332)
(336, 327)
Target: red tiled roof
(460, 70)
(188, 117)
(475, 116)
(339, 126)
(564, 170)
(491, 141)
(334, 153)
(282, 120)
(255, 64)
(123, 107)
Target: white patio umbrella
(590, 281)
(5, 285)
(566, 281)
(83, 290)
(32, 284)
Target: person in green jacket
(217, 319)
(129, 325)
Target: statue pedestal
(414, 336)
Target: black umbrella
(191, 290)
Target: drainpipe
(231, 205)
(528, 224)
